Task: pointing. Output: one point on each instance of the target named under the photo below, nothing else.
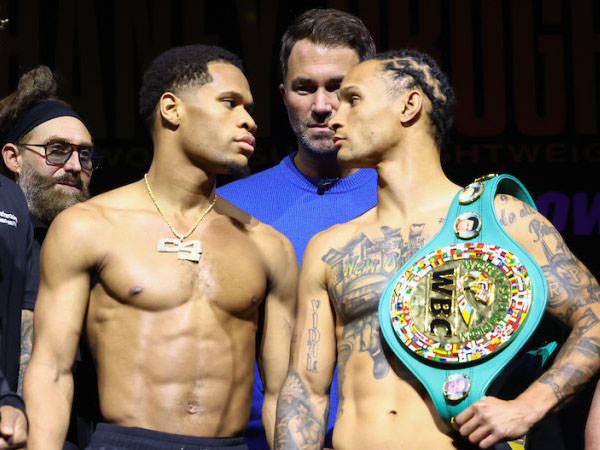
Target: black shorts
(115, 437)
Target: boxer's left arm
(280, 308)
(573, 298)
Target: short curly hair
(176, 69)
(328, 27)
(410, 68)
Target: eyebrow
(297, 80)
(64, 139)
(301, 80)
(345, 89)
(337, 79)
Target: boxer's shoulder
(246, 238)
(260, 232)
(342, 234)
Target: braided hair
(411, 68)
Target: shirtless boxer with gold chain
(395, 113)
(165, 278)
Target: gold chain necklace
(189, 250)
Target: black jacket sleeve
(9, 398)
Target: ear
(170, 108)
(412, 105)
(12, 158)
(282, 92)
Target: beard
(318, 143)
(43, 200)
(238, 170)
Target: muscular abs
(359, 273)
(374, 388)
(174, 339)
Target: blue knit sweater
(291, 203)
(288, 201)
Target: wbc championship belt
(461, 308)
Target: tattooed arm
(26, 344)
(573, 298)
(280, 308)
(303, 403)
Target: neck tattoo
(188, 250)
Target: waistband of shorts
(144, 439)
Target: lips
(337, 139)
(246, 142)
(248, 139)
(320, 127)
(70, 182)
(68, 187)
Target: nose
(247, 122)
(335, 122)
(323, 105)
(73, 165)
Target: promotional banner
(525, 72)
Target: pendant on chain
(187, 250)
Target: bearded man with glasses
(39, 144)
(49, 152)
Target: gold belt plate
(461, 302)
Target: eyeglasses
(58, 153)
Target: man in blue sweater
(308, 192)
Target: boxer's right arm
(66, 259)
(303, 403)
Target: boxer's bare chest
(360, 269)
(137, 271)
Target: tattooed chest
(361, 269)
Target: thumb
(19, 436)
(7, 425)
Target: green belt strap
(424, 347)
